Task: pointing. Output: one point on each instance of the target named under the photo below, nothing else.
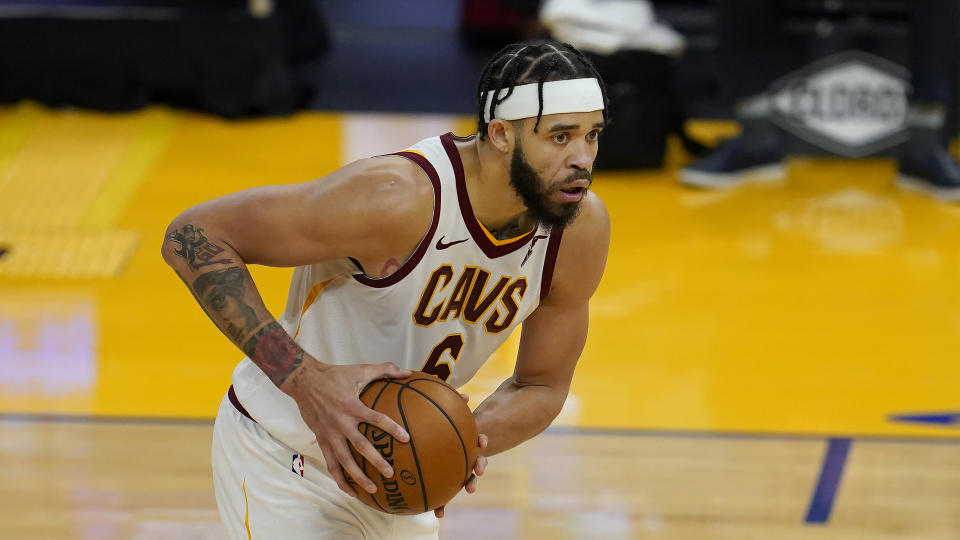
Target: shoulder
(376, 204)
(392, 180)
(582, 256)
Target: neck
(494, 201)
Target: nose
(581, 156)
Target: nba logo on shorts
(297, 466)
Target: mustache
(581, 174)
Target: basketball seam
(413, 448)
(365, 431)
(453, 424)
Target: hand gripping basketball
(441, 456)
(329, 404)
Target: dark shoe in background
(925, 165)
(755, 155)
(935, 173)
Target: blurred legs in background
(753, 51)
(924, 162)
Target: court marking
(553, 430)
(71, 253)
(156, 129)
(89, 419)
(831, 472)
(669, 433)
(821, 505)
(941, 418)
(54, 226)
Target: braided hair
(531, 62)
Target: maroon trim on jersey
(469, 219)
(232, 396)
(411, 263)
(553, 247)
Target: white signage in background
(852, 104)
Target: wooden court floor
(774, 361)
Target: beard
(536, 193)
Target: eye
(218, 301)
(593, 135)
(560, 138)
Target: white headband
(572, 95)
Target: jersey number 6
(452, 344)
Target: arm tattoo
(195, 248)
(274, 351)
(221, 293)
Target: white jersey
(445, 311)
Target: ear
(501, 135)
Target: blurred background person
(755, 48)
(637, 55)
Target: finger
(438, 512)
(350, 466)
(471, 484)
(465, 397)
(483, 440)
(480, 466)
(373, 457)
(345, 483)
(388, 369)
(337, 473)
(384, 423)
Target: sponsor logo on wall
(852, 104)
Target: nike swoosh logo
(443, 245)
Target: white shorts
(266, 490)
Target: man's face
(550, 170)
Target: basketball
(437, 461)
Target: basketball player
(425, 259)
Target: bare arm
(373, 210)
(552, 339)
(224, 289)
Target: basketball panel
(456, 411)
(393, 495)
(450, 400)
(433, 468)
(444, 455)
